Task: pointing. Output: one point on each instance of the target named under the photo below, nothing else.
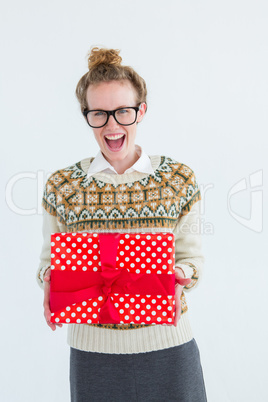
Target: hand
(181, 281)
(47, 312)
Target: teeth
(114, 137)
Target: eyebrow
(118, 107)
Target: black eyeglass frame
(111, 113)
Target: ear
(141, 112)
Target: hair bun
(103, 56)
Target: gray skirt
(173, 374)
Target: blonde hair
(105, 65)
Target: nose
(111, 123)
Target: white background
(205, 64)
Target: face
(110, 96)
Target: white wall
(205, 63)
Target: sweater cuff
(41, 274)
(187, 270)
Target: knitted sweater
(166, 201)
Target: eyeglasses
(125, 116)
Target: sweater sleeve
(52, 223)
(188, 241)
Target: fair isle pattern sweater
(166, 201)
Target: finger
(177, 304)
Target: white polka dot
(52, 266)
(127, 259)
(170, 238)
(89, 240)
(153, 243)
(148, 260)
(57, 319)
(126, 317)
(89, 321)
(137, 306)
(89, 263)
(63, 267)
(159, 272)
(148, 318)
(52, 243)
(84, 303)
(95, 316)
(159, 307)
(148, 248)
(95, 245)
(79, 239)
(143, 243)
(58, 238)
(116, 304)
(164, 255)
(121, 264)
(137, 236)
(67, 320)
(153, 255)
(126, 305)
(132, 311)
(132, 300)
(148, 306)
(100, 298)
(95, 304)
(78, 309)
(95, 257)
(164, 267)
(52, 255)
(164, 313)
(78, 321)
(143, 312)
(121, 311)
(143, 300)
(138, 248)
(148, 237)
(121, 253)
(137, 318)
(158, 319)
(68, 239)
(148, 271)
(121, 299)
(95, 269)
(68, 308)
(121, 241)
(169, 308)
(137, 271)
(143, 254)
(89, 309)
(84, 315)
(84, 257)
(164, 243)
(62, 314)
(74, 268)
(73, 314)
(153, 301)
(169, 319)
(73, 244)
(153, 312)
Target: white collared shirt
(100, 164)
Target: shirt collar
(99, 163)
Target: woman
(122, 189)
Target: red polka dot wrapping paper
(78, 254)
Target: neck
(122, 165)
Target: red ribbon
(69, 287)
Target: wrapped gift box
(112, 278)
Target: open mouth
(115, 142)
